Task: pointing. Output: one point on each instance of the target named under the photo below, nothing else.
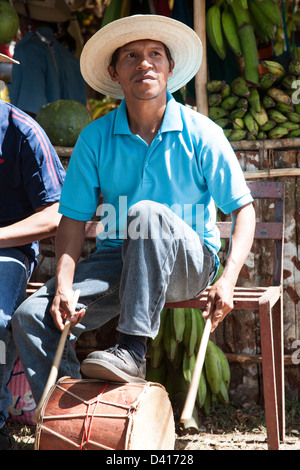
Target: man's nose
(144, 63)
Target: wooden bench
(266, 301)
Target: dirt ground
(226, 428)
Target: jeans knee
(149, 219)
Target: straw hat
(52, 11)
(183, 43)
(4, 58)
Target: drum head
(153, 424)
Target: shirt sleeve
(42, 171)
(223, 174)
(81, 190)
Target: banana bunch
(172, 357)
(238, 24)
(270, 110)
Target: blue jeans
(133, 280)
(15, 270)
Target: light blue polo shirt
(190, 166)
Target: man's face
(142, 69)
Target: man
(31, 178)
(48, 71)
(159, 166)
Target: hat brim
(183, 42)
(5, 59)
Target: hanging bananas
(237, 24)
(214, 30)
(172, 357)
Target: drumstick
(57, 359)
(192, 392)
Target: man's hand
(219, 302)
(63, 307)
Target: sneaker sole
(102, 370)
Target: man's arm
(42, 224)
(68, 245)
(220, 299)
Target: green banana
(170, 344)
(229, 102)
(293, 117)
(250, 136)
(223, 396)
(267, 80)
(188, 364)
(271, 10)
(213, 368)
(292, 126)
(238, 123)
(295, 133)
(251, 124)
(240, 88)
(260, 117)
(216, 112)
(178, 319)
(156, 354)
(225, 368)
(200, 327)
(202, 390)
(227, 132)
(190, 331)
(262, 26)
(225, 91)
(207, 403)
(279, 95)
(222, 122)
(254, 99)
(277, 132)
(214, 86)
(237, 135)
(157, 340)
(248, 42)
(283, 107)
(268, 102)
(294, 67)
(262, 135)
(287, 82)
(268, 126)
(230, 31)
(242, 103)
(214, 30)
(237, 113)
(274, 68)
(277, 116)
(214, 99)
(177, 361)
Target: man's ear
(113, 74)
(171, 68)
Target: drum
(88, 414)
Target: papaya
(63, 120)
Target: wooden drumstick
(57, 359)
(192, 392)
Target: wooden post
(201, 77)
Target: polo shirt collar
(172, 119)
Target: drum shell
(88, 414)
